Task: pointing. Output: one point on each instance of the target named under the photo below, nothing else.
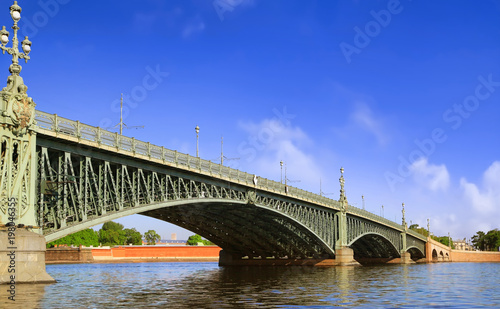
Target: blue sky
(403, 94)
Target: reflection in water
(205, 285)
(28, 296)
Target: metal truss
(76, 190)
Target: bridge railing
(75, 129)
(67, 127)
(364, 213)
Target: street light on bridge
(197, 129)
(281, 164)
(15, 68)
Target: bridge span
(88, 176)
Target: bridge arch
(416, 253)
(434, 255)
(373, 245)
(236, 226)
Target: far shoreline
(142, 260)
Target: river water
(205, 285)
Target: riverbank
(132, 254)
(141, 254)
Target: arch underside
(416, 253)
(373, 245)
(245, 230)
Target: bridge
(89, 176)
(59, 176)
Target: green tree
(487, 241)
(420, 230)
(445, 240)
(86, 238)
(492, 240)
(133, 237)
(151, 237)
(196, 239)
(110, 225)
(112, 234)
(478, 240)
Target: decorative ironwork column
(405, 230)
(342, 220)
(18, 160)
(18, 171)
(344, 255)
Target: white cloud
(432, 177)
(272, 141)
(194, 26)
(365, 119)
(487, 198)
(363, 122)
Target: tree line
(114, 234)
(489, 241)
(111, 234)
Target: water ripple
(205, 285)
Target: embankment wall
(474, 256)
(132, 254)
(68, 255)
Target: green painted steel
(17, 135)
(89, 176)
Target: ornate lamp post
(343, 254)
(18, 135)
(15, 68)
(197, 129)
(17, 108)
(17, 113)
(281, 165)
(404, 219)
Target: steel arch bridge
(88, 176)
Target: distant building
(173, 236)
(462, 244)
(167, 242)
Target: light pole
(15, 68)
(285, 178)
(281, 165)
(382, 211)
(197, 129)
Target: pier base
(227, 259)
(345, 257)
(22, 257)
(406, 258)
